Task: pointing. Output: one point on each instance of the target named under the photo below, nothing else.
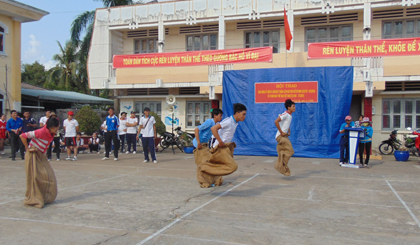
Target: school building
(12, 15)
(180, 26)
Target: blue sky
(39, 39)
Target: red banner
(368, 48)
(195, 58)
(299, 92)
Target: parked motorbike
(180, 132)
(170, 139)
(388, 146)
(410, 143)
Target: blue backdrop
(315, 126)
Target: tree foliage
(89, 121)
(160, 127)
(34, 74)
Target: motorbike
(410, 143)
(170, 139)
(388, 146)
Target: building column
(367, 20)
(161, 35)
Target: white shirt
(94, 141)
(148, 129)
(104, 126)
(286, 120)
(122, 127)
(80, 142)
(132, 130)
(227, 131)
(43, 120)
(70, 127)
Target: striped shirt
(40, 138)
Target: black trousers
(122, 138)
(131, 141)
(112, 136)
(57, 148)
(16, 144)
(93, 147)
(362, 149)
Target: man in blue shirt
(14, 126)
(112, 124)
(29, 124)
(203, 132)
(344, 141)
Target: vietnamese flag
(287, 33)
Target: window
(154, 106)
(263, 38)
(328, 34)
(1, 39)
(401, 28)
(142, 46)
(197, 113)
(400, 113)
(202, 42)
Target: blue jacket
(14, 124)
(368, 134)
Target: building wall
(12, 46)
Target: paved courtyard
(131, 202)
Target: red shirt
(41, 138)
(417, 139)
(3, 129)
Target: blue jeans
(148, 145)
(344, 148)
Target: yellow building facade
(180, 26)
(12, 15)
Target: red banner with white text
(367, 48)
(279, 92)
(195, 58)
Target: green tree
(89, 121)
(63, 75)
(34, 74)
(160, 127)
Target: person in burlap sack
(41, 184)
(220, 161)
(203, 135)
(284, 146)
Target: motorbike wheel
(180, 145)
(386, 149)
(164, 143)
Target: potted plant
(187, 142)
(402, 154)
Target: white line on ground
(201, 239)
(404, 204)
(56, 223)
(311, 193)
(328, 177)
(269, 160)
(188, 157)
(192, 211)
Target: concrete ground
(131, 202)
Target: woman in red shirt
(2, 133)
(41, 184)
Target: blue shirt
(14, 124)
(345, 125)
(27, 128)
(205, 132)
(368, 134)
(112, 123)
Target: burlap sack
(202, 155)
(41, 184)
(219, 164)
(285, 152)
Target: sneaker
(115, 159)
(341, 163)
(99, 152)
(105, 158)
(134, 152)
(68, 158)
(2, 152)
(74, 159)
(49, 159)
(154, 161)
(127, 152)
(58, 159)
(146, 161)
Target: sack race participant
(284, 146)
(203, 136)
(41, 184)
(220, 161)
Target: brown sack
(41, 184)
(220, 163)
(202, 155)
(285, 152)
